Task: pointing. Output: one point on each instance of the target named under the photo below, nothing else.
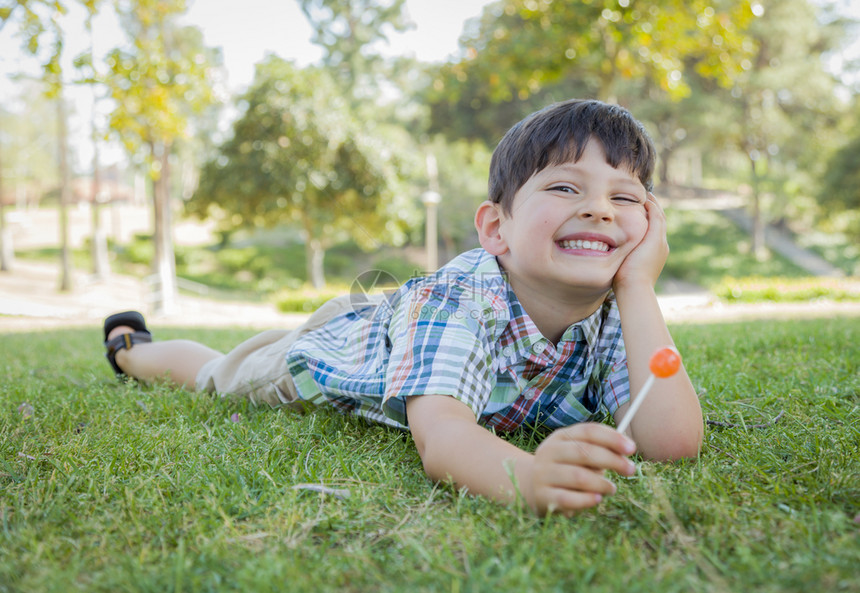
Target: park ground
(113, 486)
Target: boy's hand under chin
(643, 265)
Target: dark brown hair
(558, 134)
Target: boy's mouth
(595, 243)
(584, 244)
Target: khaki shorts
(257, 368)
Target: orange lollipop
(664, 363)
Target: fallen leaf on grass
(336, 492)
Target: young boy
(550, 323)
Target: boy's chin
(589, 291)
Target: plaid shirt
(462, 332)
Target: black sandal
(140, 335)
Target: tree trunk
(314, 257)
(65, 253)
(665, 156)
(6, 252)
(695, 168)
(758, 246)
(98, 247)
(7, 255)
(165, 261)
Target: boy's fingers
(592, 457)
(598, 434)
(600, 448)
(655, 212)
(581, 479)
(568, 502)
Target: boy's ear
(488, 222)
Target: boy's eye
(626, 199)
(564, 189)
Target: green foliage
(296, 155)
(756, 289)
(349, 31)
(299, 156)
(29, 146)
(108, 486)
(781, 115)
(840, 189)
(399, 268)
(42, 35)
(744, 91)
(139, 250)
(839, 194)
(306, 300)
(159, 85)
(464, 167)
(524, 52)
(257, 268)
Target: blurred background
(274, 150)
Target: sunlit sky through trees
(246, 32)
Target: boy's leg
(177, 361)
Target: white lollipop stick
(640, 397)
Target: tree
(40, 22)
(524, 53)
(781, 109)
(158, 85)
(839, 193)
(29, 145)
(6, 252)
(298, 155)
(348, 30)
(85, 63)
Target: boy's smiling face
(571, 226)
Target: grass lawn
(114, 487)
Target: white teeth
(581, 244)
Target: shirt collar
(529, 340)
(590, 327)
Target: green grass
(706, 247)
(115, 487)
(755, 289)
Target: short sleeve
(441, 345)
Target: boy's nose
(598, 208)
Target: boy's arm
(564, 475)
(669, 424)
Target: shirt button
(539, 348)
(507, 350)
